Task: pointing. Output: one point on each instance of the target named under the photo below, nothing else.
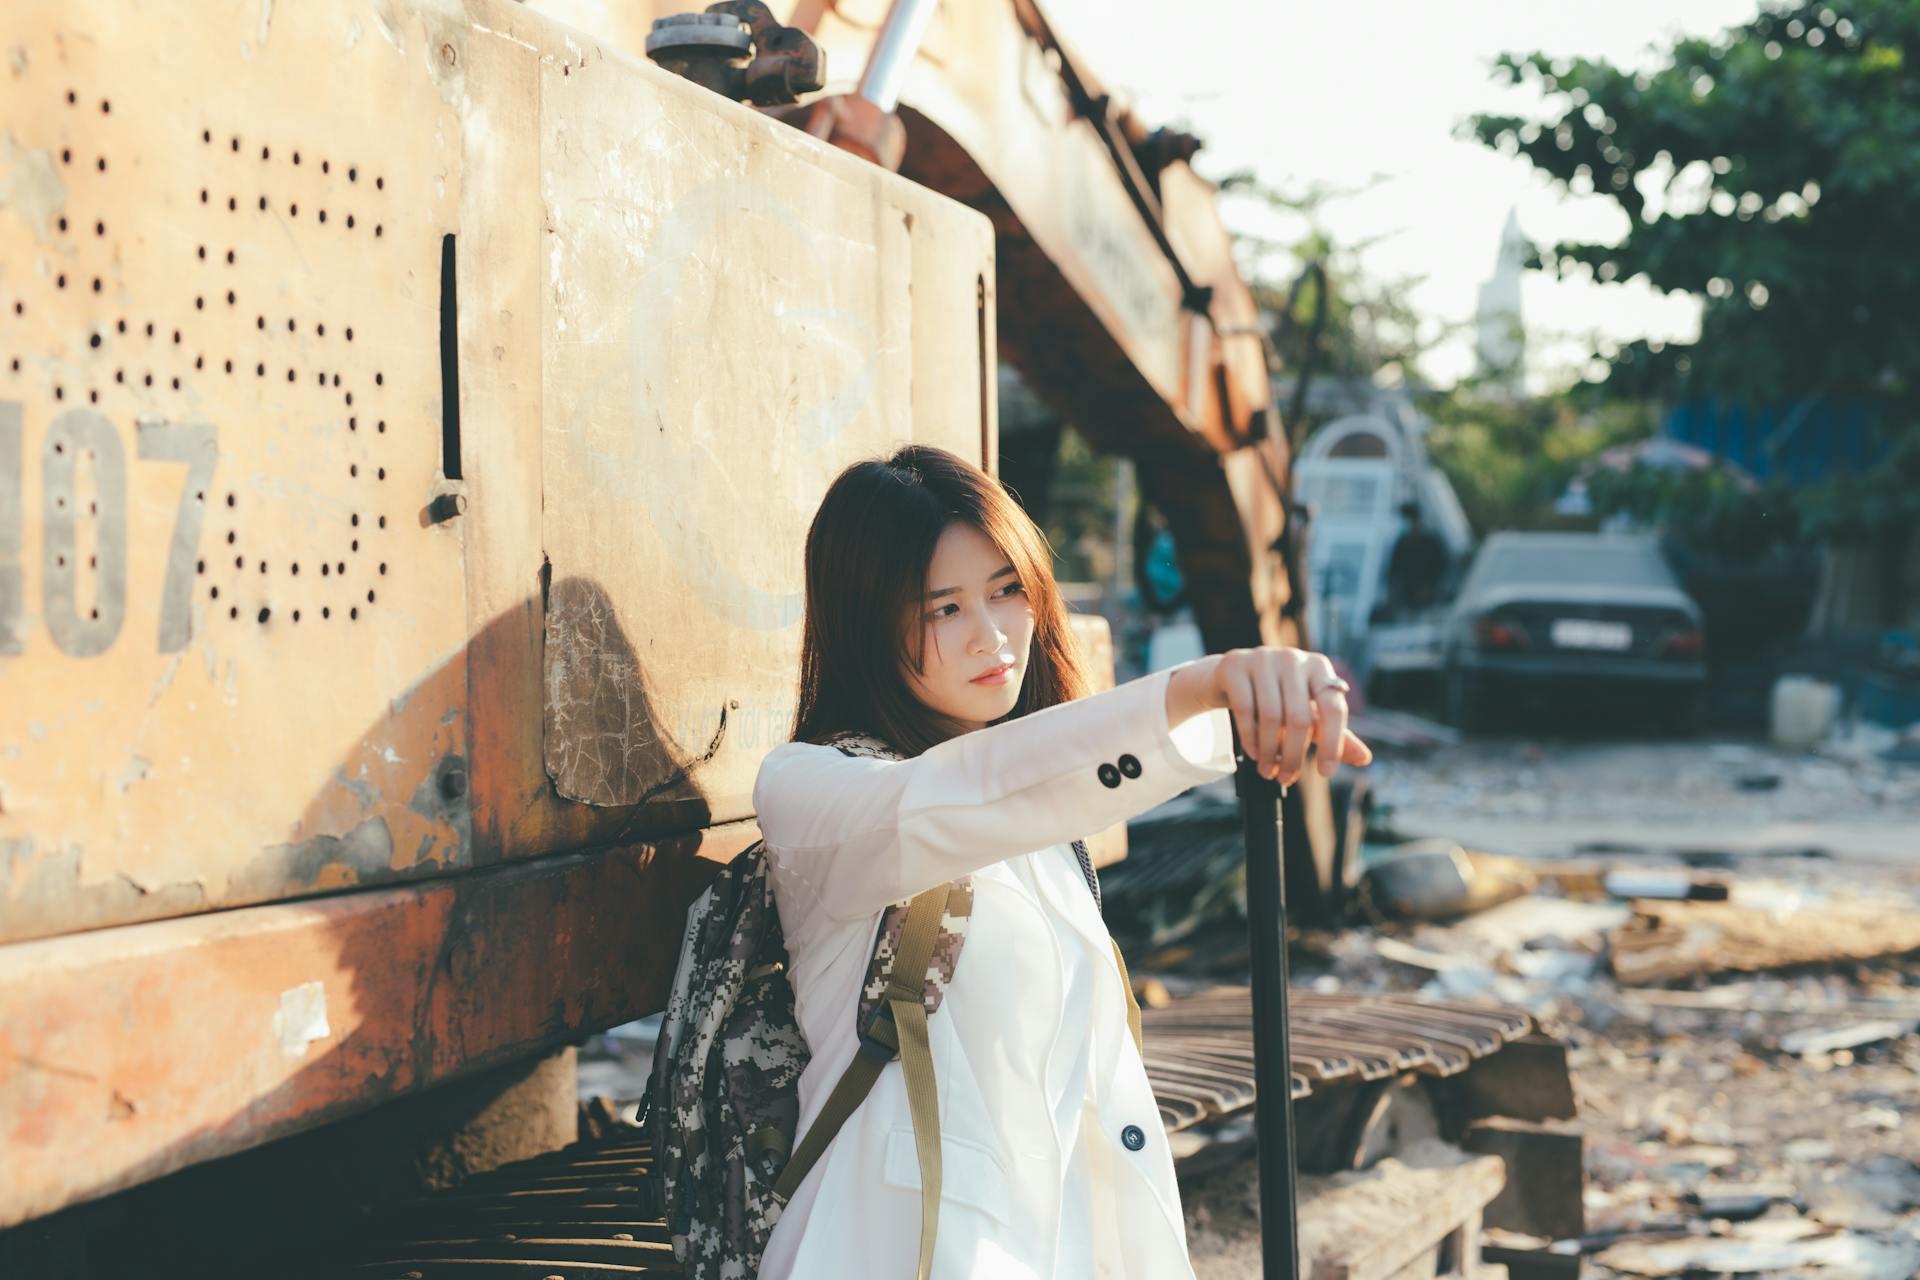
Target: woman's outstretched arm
(856, 834)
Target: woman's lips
(999, 675)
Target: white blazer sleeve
(861, 834)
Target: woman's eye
(949, 610)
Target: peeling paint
(30, 185)
(136, 771)
(42, 893)
(365, 792)
(17, 60)
(266, 20)
(363, 854)
(165, 681)
(389, 25)
(301, 1018)
(442, 799)
(15, 851)
(507, 36)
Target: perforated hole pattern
(171, 353)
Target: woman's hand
(1282, 699)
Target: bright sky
(1345, 94)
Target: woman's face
(975, 620)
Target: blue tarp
(1802, 442)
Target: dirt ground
(1711, 1147)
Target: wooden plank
(1668, 940)
(131, 1052)
(1546, 1185)
(1378, 1223)
(1527, 1080)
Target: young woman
(933, 623)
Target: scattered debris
(1766, 1245)
(1804, 710)
(1739, 1201)
(1542, 921)
(1439, 880)
(1853, 1036)
(1662, 883)
(1758, 1118)
(1668, 940)
(1872, 1197)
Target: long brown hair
(867, 556)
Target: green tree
(1509, 459)
(1772, 172)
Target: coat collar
(1065, 889)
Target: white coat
(1055, 1163)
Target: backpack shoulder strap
(904, 1033)
(880, 1048)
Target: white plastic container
(1804, 710)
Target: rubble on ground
(1743, 1020)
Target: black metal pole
(1272, 1053)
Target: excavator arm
(1118, 298)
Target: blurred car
(1592, 612)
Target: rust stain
(420, 982)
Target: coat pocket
(970, 1173)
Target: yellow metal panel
(677, 320)
(228, 637)
(732, 316)
(200, 758)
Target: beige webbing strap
(855, 1083)
(1133, 1007)
(923, 1099)
(905, 981)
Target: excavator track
(586, 1212)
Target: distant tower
(1502, 343)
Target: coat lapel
(1065, 888)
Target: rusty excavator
(409, 412)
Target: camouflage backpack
(723, 1103)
